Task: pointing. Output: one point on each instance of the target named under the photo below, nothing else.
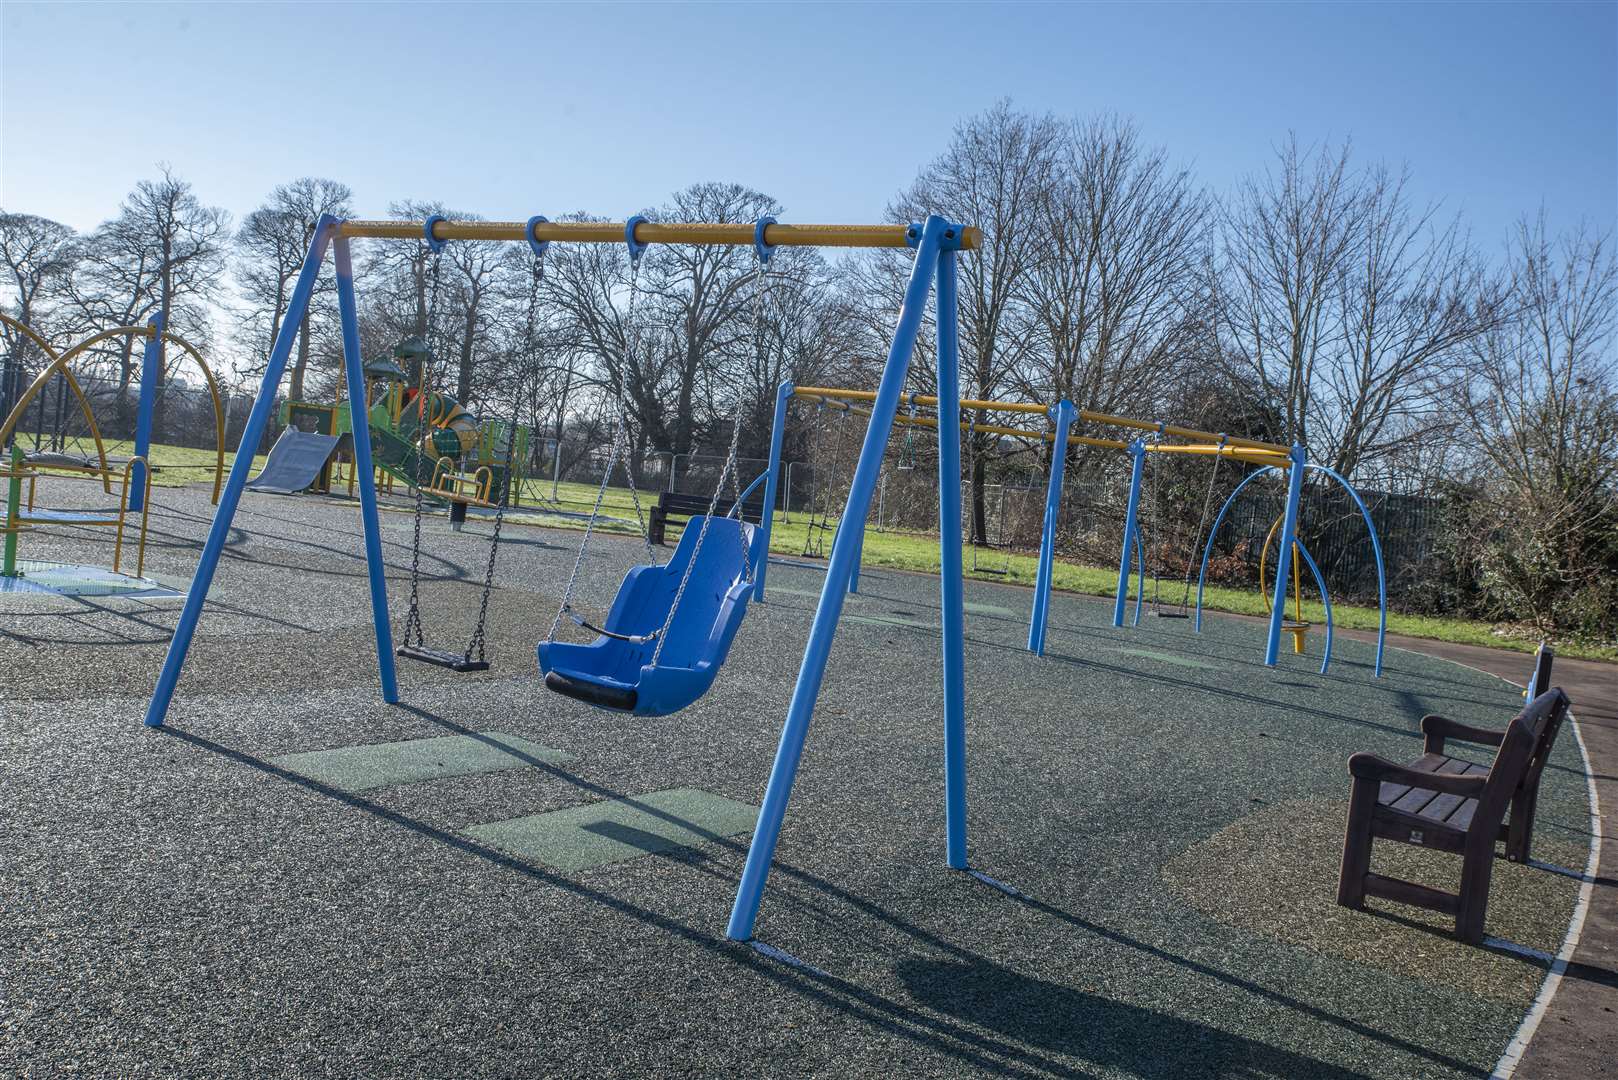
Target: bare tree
(1117, 298)
(995, 174)
(38, 256)
(270, 248)
(1541, 407)
(472, 270)
(164, 252)
(699, 296)
(1289, 237)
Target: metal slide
(295, 462)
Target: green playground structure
(414, 432)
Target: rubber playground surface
(492, 880)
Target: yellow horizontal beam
(834, 394)
(1252, 457)
(1177, 432)
(652, 232)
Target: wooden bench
(676, 504)
(1447, 805)
(1518, 829)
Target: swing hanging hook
(538, 246)
(434, 244)
(762, 247)
(636, 248)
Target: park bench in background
(1454, 805)
(676, 504)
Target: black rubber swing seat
(441, 658)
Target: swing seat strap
(633, 639)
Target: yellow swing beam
(1248, 450)
(654, 232)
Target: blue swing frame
(936, 242)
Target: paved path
(1578, 1035)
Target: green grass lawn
(176, 466)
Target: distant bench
(1451, 804)
(677, 504)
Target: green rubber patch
(603, 833)
(361, 768)
(1169, 658)
(989, 609)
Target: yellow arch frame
(78, 392)
(60, 363)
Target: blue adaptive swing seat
(616, 670)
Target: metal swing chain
(828, 497)
(696, 549)
(1202, 519)
(971, 485)
(816, 440)
(732, 470)
(1154, 495)
(413, 631)
(566, 606)
(632, 342)
(760, 299)
(476, 643)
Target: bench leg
(1520, 827)
(1473, 897)
(1357, 844)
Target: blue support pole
(151, 371)
(859, 554)
(1219, 519)
(360, 422)
(1381, 570)
(257, 420)
(952, 587)
(1283, 559)
(795, 731)
(1137, 451)
(772, 485)
(1063, 413)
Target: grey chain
(589, 527)
(494, 548)
(632, 343)
(413, 631)
(511, 444)
(702, 534)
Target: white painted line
(786, 958)
(1507, 1065)
(1002, 886)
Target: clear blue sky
(513, 109)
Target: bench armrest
(1437, 729)
(1371, 767)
